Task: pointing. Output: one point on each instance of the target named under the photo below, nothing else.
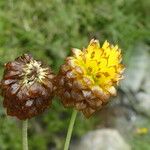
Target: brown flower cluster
(27, 87)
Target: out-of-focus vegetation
(48, 29)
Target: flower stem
(70, 129)
(25, 135)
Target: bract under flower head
(90, 76)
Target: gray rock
(136, 68)
(144, 103)
(102, 139)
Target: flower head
(27, 87)
(88, 78)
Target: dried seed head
(27, 87)
(88, 78)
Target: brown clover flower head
(88, 78)
(27, 87)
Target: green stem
(25, 135)
(70, 129)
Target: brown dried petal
(9, 81)
(14, 65)
(94, 103)
(79, 85)
(14, 88)
(99, 93)
(70, 74)
(88, 111)
(80, 105)
(11, 74)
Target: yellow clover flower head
(88, 78)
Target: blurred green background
(48, 29)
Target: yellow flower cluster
(88, 78)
